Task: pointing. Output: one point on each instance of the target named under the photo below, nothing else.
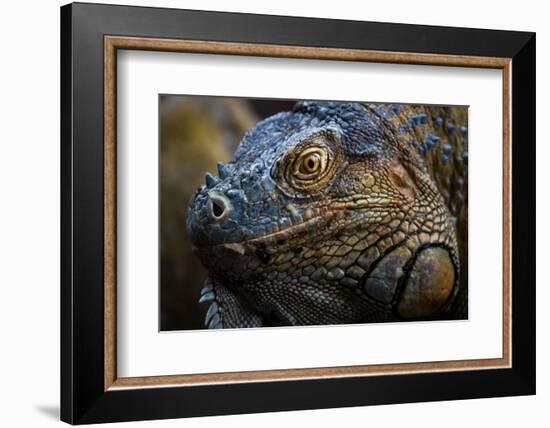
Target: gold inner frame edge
(113, 43)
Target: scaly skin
(337, 213)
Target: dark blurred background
(195, 133)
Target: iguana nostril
(218, 206)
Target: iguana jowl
(337, 213)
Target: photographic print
(301, 212)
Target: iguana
(337, 213)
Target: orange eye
(310, 163)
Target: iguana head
(325, 216)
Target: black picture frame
(83, 396)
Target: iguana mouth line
(294, 230)
(281, 236)
(325, 215)
(250, 246)
(274, 238)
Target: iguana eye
(308, 167)
(310, 163)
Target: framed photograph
(265, 213)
